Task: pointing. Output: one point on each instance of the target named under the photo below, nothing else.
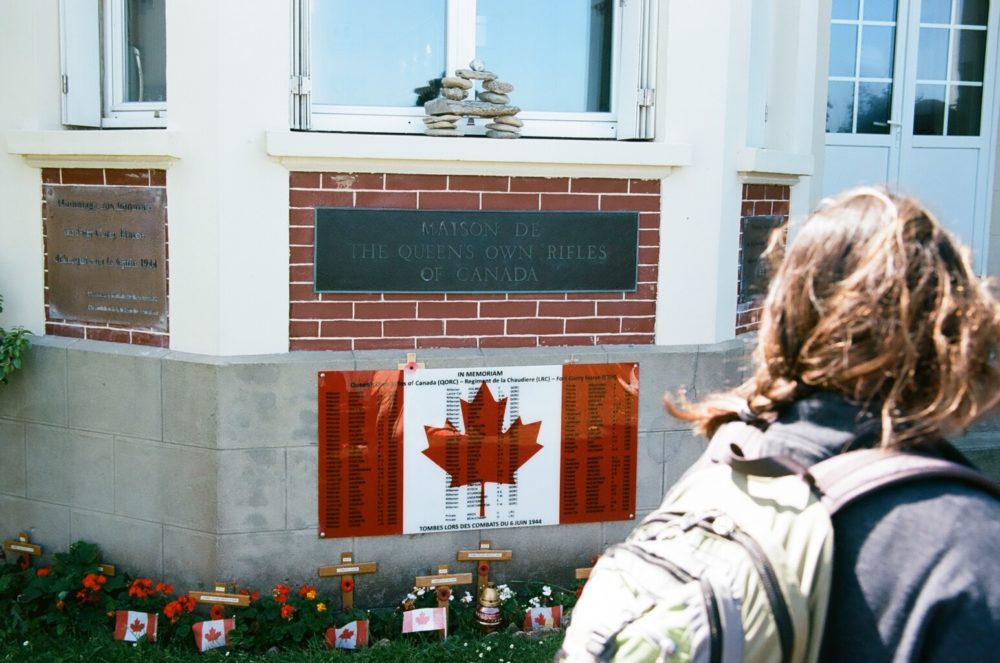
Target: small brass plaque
(107, 259)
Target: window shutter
(80, 33)
(637, 69)
(300, 84)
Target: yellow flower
(321, 607)
(311, 595)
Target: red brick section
(758, 200)
(336, 321)
(99, 331)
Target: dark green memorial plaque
(376, 250)
(754, 273)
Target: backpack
(735, 565)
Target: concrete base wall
(195, 469)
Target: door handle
(888, 123)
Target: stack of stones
(493, 102)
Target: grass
(101, 646)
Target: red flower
(141, 588)
(187, 603)
(287, 611)
(23, 562)
(280, 593)
(484, 568)
(94, 582)
(253, 595)
(172, 610)
(43, 571)
(579, 591)
(347, 584)
(305, 589)
(217, 612)
(443, 594)
(164, 588)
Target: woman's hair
(875, 301)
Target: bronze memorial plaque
(107, 255)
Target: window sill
(89, 148)
(312, 151)
(772, 166)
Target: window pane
(928, 111)
(966, 107)
(880, 10)
(935, 11)
(874, 100)
(377, 52)
(556, 53)
(932, 55)
(839, 107)
(876, 51)
(843, 49)
(145, 54)
(845, 9)
(970, 51)
(973, 12)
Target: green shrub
(13, 343)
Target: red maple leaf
(540, 619)
(346, 634)
(485, 452)
(212, 635)
(137, 626)
(422, 618)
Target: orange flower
(60, 604)
(287, 611)
(308, 592)
(217, 612)
(43, 571)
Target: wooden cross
(24, 548)
(443, 579)
(411, 363)
(219, 596)
(584, 573)
(346, 570)
(484, 555)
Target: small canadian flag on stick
(212, 633)
(130, 626)
(425, 619)
(539, 618)
(349, 636)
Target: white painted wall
(227, 82)
(28, 101)
(227, 151)
(704, 106)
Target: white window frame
(92, 33)
(632, 90)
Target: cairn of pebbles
(493, 102)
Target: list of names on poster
(600, 409)
(360, 453)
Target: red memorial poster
(434, 450)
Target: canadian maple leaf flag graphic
(425, 619)
(131, 625)
(539, 618)
(349, 636)
(212, 633)
(484, 453)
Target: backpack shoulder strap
(846, 477)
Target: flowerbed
(72, 597)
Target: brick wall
(758, 200)
(95, 330)
(409, 321)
